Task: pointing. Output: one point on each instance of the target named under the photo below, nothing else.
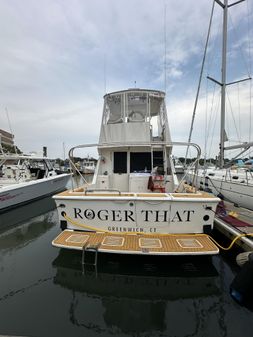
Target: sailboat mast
(223, 83)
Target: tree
(11, 148)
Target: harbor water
(45, 291)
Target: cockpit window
(140, 162)
(120, 162)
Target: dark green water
(45, 291)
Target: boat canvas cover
(125, 133)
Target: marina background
(57, 61)
(46, 292)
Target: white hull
(16, 194)
(149, 214)
(237, 192)
(88, 170)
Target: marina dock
(236, 222)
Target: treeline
(10, 149)
(62, 162)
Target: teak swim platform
(144, 244)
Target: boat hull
(165, 213)
(239, 193)
(18, 194)
(88, 171)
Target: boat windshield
(132, 106)
(136, 107)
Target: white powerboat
(25, 178)
(88, 166)
(135, 204)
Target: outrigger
(135, 203)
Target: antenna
(9, 123)
(165, 48)
(63, 145)
(104, 73)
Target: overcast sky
(59, 57)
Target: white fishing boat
(135, 204)
(179, 167)
(25, 178)
(88, 166)
(231, 183)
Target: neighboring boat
(88, 166)
(135, 204)
(179, 167)
(234, 183)
(249, 164)
(25, 178)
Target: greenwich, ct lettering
(129, 216)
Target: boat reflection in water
(22, 225)
(123, 295)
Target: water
(44, 291)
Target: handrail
(101, 190)
(74, 170)
(150, 144)
(195, 164)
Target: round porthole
(206, 217)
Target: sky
(58, 58)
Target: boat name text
(129, 216)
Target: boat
(249, 164)
(88, 166)
(233, 183)
(179, 167)
(135, 203)
(25, 178)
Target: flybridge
(136, 115)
